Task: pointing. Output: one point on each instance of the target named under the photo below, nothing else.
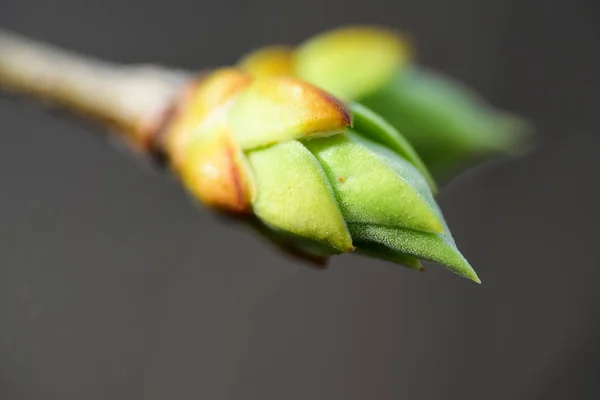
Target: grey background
(114, 285)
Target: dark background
(113, 285)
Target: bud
(313, 176)
(449, 125)
(270, 61)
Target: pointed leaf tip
(439, 248)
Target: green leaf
(373, 189)
(377, 250)
(447, 123)
(350, 62)
(374, 127)
(293, 195)
(435, 247)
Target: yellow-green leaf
(293, 195)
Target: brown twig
(132, 100)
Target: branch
(130, 99)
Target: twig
(129, 99)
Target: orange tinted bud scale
(214, 171)
(318, 111)
(206, 147)
(201, 99)
(201, 148)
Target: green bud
(313, 176)
(327, 195)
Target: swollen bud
(286, 157)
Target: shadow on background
(575, 374)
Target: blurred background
(113, 284)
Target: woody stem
(127, 98)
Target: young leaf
(447, 123)
(351, 62)
(294, 195)
(368, 189)
(269, 61)
(374, 127)
(382, 252)
(435, 247)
